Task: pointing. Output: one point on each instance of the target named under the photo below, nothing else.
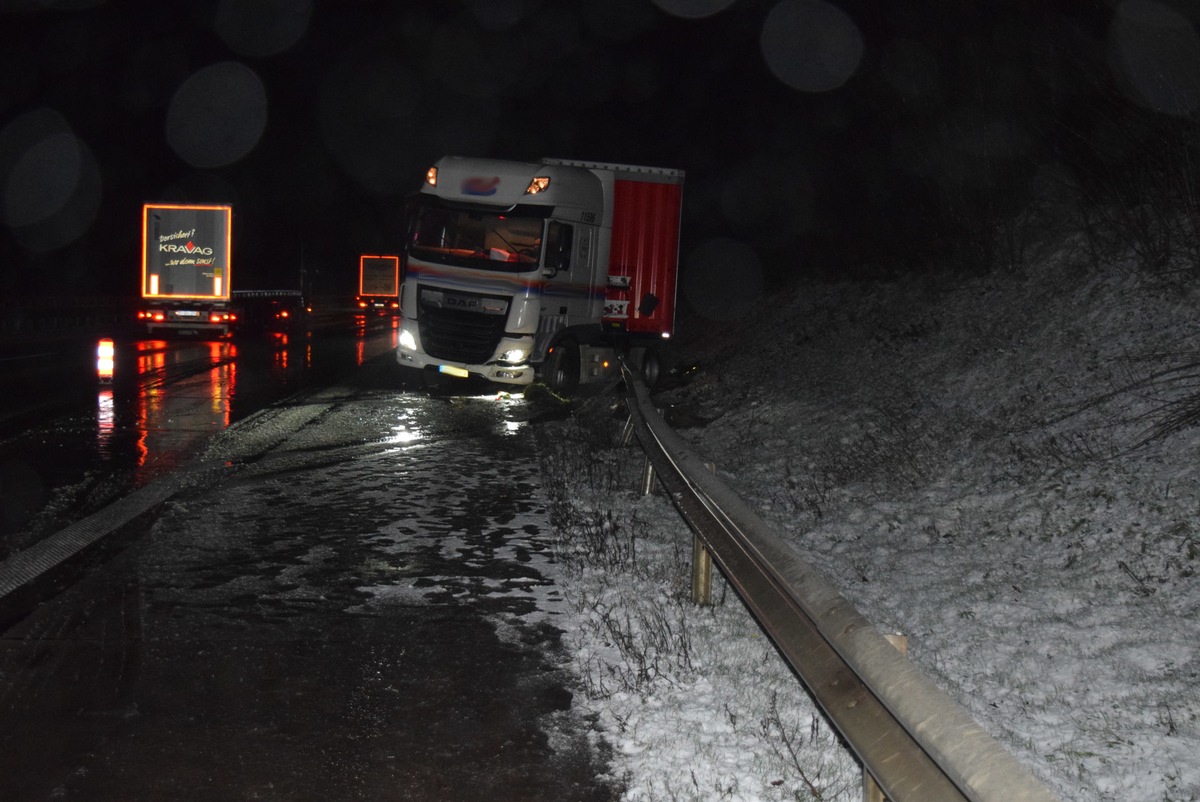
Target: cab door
(571, 295)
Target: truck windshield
(506, 241)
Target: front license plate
(453, 371)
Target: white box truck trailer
(185, 269)
(378, 284)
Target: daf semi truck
(518, 271)
(185, 269)
(378, 284)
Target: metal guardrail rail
(917, 743)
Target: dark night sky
(818, 136)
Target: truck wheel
(651, 368)
(562, 368)
(431, 378)
(647, 363)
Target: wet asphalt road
(70, 440)
(363, 607)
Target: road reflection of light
(222, 380)
(401, 435)
(166, 412)
(147, 410)
(152, 358)
(105, 420)
(281, 353)
(506, 399)
(405, 431)
(152, 355)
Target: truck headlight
(514, 356)
(407, 341)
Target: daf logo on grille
(467, 303)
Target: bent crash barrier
(912, 739)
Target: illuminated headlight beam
(514, 356)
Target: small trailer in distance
(378, 284)
(185, 269)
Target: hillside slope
(1003, 469)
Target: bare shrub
(793, 736)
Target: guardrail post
(702, 564)
(627, 432)
(701, 573)
(647, 478)
(871, 790)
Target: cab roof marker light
(431, 176)
(538, 184)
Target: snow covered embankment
(1003, 469)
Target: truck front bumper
(409, 354)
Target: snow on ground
(1001, 468)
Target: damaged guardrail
(917, 743)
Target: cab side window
(559, 240)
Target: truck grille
(458, 335)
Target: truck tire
(562, 367)
(431, 378)
(648, 364)
(652, 369)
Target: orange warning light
(105, 359)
